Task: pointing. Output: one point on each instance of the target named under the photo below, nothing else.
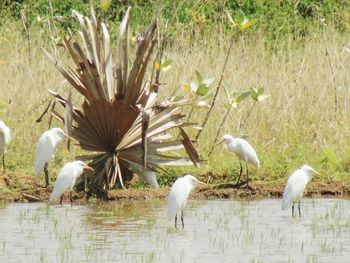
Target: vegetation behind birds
(284, 52)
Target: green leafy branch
(243, 23)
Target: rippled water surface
(215, 231)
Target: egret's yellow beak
(88, 168)
(67, 136)
(315, 172)
(199, 182)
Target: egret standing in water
(295, 187)
(66, 179)
(244, 151)
(44, 151)
(4, 141)
(178, 196)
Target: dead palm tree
(118, 121)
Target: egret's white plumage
(243, 150)
(45, 148)
(178, 195)
(295, 187)
(67, 177)
(4, 137)
(4, 140)
(146, 174)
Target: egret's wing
(294, 188)
(63, 182)
(287, 199)
(2, 142)
(4, 137)
(175, 198)
(249, 152)
(173, 206)
(43, 153)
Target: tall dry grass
(296, 124)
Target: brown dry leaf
(191, 151)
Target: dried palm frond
(118, 121)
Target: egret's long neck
(80, 173)
(309, 177)
(232, 145)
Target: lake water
(215, 231)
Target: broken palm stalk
(119, 122)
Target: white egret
(178, 196)
(244, 151)
(44, 151)
(146, 174)
(295, 187)
(4, 141)
(66, 179)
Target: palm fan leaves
(118, 121)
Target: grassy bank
(23, 188)
(299, 122)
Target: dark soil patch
(26, 188)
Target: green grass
(194, 18)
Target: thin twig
(162, 46)
(25, 22)
(44, 112)
(246, 117)
(332, 70)
(51, 117)
(217, 89)
(218, 132)
(190, 114)
(346, 88)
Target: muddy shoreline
(17, 188)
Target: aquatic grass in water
(256, 231)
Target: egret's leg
(299, 209)
(61, 201)
(293, 209)
(46, 171)
(246, 165)
(85, 183)
(182, 219)
(240, 172)
(176, 221)
(71, 198)
(3, 163)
